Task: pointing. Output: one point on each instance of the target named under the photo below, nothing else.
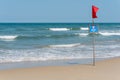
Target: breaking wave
(82, 34)
(84, 28)
(59, 29)
(64, 45)
(109, 34)
(8, 38)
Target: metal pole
(93, 45)
(93, 50)
(92, 21)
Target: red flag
(94, 11)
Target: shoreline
(104, 70)
(31, 64)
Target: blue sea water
(21, 42)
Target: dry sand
(104, 70)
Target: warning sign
(93, 29)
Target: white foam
(65, 45)
(56, 52)
(109, 34)
(82, 34)
(59, 29)
(84, 28)
(8, 38)
(35, 55)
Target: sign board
(93, 29)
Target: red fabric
(94, 11)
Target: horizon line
(57, 22)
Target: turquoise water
(56, 41)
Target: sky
(50, 11)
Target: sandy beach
(104, 70)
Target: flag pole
(94, 11)
(93, 44)
(92, 21)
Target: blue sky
(58, 10)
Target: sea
(21, 42)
